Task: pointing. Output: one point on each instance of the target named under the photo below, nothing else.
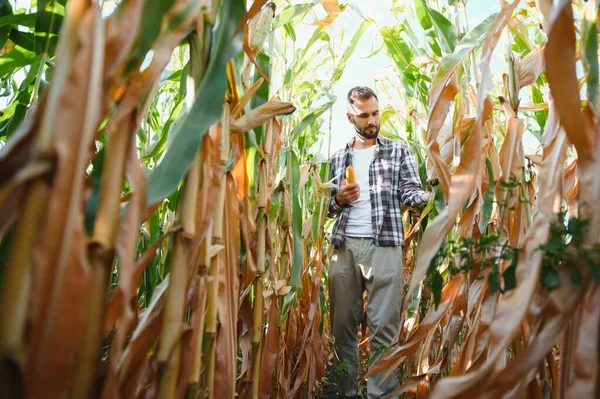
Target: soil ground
(328, 387)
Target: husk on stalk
(258, 305)
(530, 341)
(217, 260)
(61, 239)
(17, 280)
(101, 254)
(203, 266)
(169, 352)
(186, 216)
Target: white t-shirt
(359, 221)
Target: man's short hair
(361, 93)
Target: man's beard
(363, 133)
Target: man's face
(364, 115)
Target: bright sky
(363, 71)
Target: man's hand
(348, 193)
(425, 197)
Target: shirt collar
(350, 144)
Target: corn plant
(163, 196)
(493, 245)
(140, 211)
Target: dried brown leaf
(530, 67)
(583, 382)
(227, 302)
(175, 26)
(411, 383)
(512, 306)
(245, 315)
(333, 8)
(304, 172)
(193, 337)
(527, 361)
(10, 203)
(269, 351)
(260, 115)
(145, 334)
(58, 258)
(545, 8)
(511, 162)
(211, 167)
(436, 121)
(562, 77)
(390, 361)
(463, 179)
(17, 150)
(239, 107)
(120, 25)
(126, 247)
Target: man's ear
(349, 117)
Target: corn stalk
(17, 282)
(217, 260)
(258, 305)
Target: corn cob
(259, 26)
(350, 177)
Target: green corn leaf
(386, 115)
(310, 118)
(292, 12)
(590, 55)
(443, 27)
(7, 12)
(510, 277)
(151, 22)
(206, 110)
(433, 43)
(297, 257)
(94, 178)
(488, 201)
(304, 66)
(471, 40)
(15, 113)
(24, 39)
(339, 69)
(540, 116)
(317, 34)
(262, 95)
(47, 25)
(423, 15)
(437, 284)
(289, 28)
(397, 48)
(159, 146)
(550, 277)
(319, 209)
(15, 59)
(15, 20)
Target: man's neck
(361, 144)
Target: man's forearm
(334, 207)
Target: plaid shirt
(393, 179)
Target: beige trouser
(357, 266)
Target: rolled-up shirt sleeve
(410, 190)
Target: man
(368, 237)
